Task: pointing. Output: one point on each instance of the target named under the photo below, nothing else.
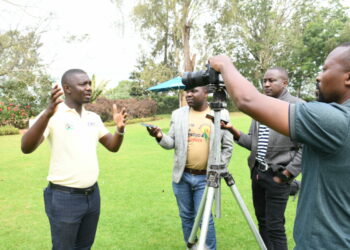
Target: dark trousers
(73, 218)
(270, 200)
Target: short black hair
(204, 87)
(283, 71)
(66, 76)
(346, 44)
(346, 55)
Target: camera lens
(195, 79)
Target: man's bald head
(67, 76)
(282, 72)
(345, 55)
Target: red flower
(0, 109)
(27, 106)
(8, 108)
(11, 104)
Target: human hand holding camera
(217, 62)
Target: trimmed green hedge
(9, 130)
(132, 121)
(166, 104)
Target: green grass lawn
(138, 211)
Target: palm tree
(97, 89)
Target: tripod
(215, 172)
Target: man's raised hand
(56, 92)
(119, 118)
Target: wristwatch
(283, 177)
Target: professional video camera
(202, 78)
(213, 79)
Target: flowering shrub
(14, 115)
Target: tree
(168, 30)
(122, 91)
(97, 89)
(294, 34)
(22, 76)
(326, 28)
(255, 41)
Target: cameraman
(323, 213)
(274, 161)
(192, 136)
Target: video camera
(202, 78)
(215, 83)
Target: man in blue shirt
(323, 213)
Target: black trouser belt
(261, 167)
(72, 190)
(196, 171)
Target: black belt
(196, 171)
(85, 191)
(263, 167)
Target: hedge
(8, 130)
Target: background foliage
(296, 34)
(180, 36)
(14, 115)
(8, 130)
(23, 80)
(135, 108)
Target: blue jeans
(188, 193)
(73, 218)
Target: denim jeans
(270, 200)
(73, 218)
(188, 193)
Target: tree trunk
(188, 61)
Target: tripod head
(216, 170)
(219, 96)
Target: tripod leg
(217, 198)
(206, 217)
(247, 216)
(197, 221)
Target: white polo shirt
(73, 140)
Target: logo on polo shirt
(91, 124)
(69, 126)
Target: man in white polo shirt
(72, 198)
